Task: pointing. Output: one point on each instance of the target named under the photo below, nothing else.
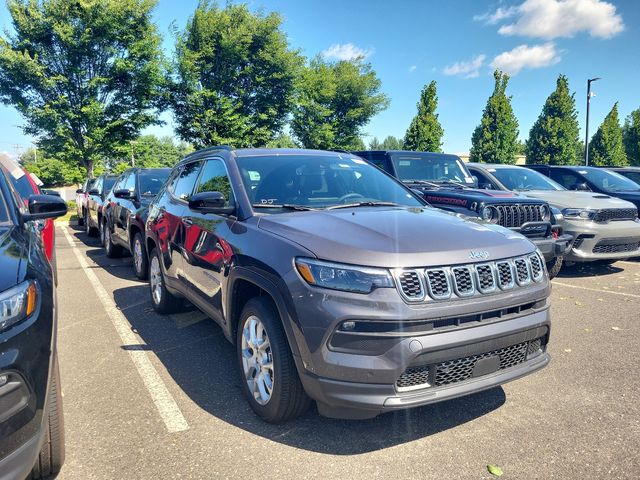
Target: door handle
(187, 221)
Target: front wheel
(140, 262)
(270, 380)
(51, 455)
(554, 266)
(163, 300)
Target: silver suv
(337, 283)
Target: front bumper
(551, 247)
(19, 463)
(591, 239)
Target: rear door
(123, 208)
(207, 248)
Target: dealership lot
(147, 396)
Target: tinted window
(430, 167)
(23, 186)
(108, 183)
(119, 184)
(98, 184)
(130, 182)
(523, 179)
(318, 181)
(183, 183)
(90, 184)
(381, 161)
(151, 182)
(566, 178)
(635, 176)
(609, 181)
(483, 180)
(214, 179)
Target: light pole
(133, 160)
(586, 140)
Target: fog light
(348, 325)
(3, 380)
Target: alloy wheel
(137, 255)
(257, 360)
(155, 280)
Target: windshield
(609, 181)
(108, 183)
(523, 179)
(431, 167)
(151, 182)
(318, 181)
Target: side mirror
(581, 187)
(210, 202)
(122, 193)
(94, 191)
(79, 190)
(44, 206)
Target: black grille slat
(486, 279)
(413, 377)
(463, 281)
(536, 267)
(605, 247)
(514, 216)
(505, 275)
(609, 214)
(522, 271)
(438, 284)
(411, 285)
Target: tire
(554, 266)
(51, 456)
(140, 260)
(112, 250)
(81, 220)
(286, 399)
(163, 300)
(91, 232)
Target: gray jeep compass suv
(337, 283)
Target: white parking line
(165, 403)
(596, 290)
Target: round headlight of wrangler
(545, 213)
(489, 214)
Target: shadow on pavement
(590, 269)
(202, 362)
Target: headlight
(348, 278)
(489, 214)
(578, 213)
(17, 303)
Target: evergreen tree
(425, 132)
(375, 144)
(554, 137)
(392, 143)
(606, 148)
(631, 137)
(495, 140)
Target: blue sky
(456, 43)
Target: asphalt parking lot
(149, 397)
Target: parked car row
(31, 419)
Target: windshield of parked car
(318, 181)
(609, 181)
(431, 167)
(634, 176)
(151, 182)
(522, 179)
(108, 184)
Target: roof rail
(339, 150)
(209, 149)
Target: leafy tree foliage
(52, 171)
(389, 143)
(495, 140)
(631, 137)
(425, 132)
(283, 140)
(234, 77)
(606, 147)
(554, 137)
(335, 101)
(85, 75)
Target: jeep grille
(514, 216)
(462, 281)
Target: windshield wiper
(364, 204)
(285, 206)
(422, 182)
(453, 182)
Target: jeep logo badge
(478, 254)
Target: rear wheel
(81, 220)
(140, 261)
(110, 248)
(162, 299)
(554, 266)
(270, 379)
(51, 455)
(91, 232)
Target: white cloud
(412, 68)
(345, 51)
(466, 69)
(551, 19)
(524, 56)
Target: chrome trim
(399, 273)
(527, 281)
(537, 278)
(512, 283)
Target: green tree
(375, 144)
(53, 172)
(234, 77)
(425, 132)
(631, 137)
(85, 75)
(554, 137)
(389, 143)
(335, 101)
(606, 147)
(283, 140)
(495, 140)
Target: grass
(71, 217)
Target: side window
(130, 182)
(183, 183)
(119, 183)
(483, 180)
(214, 179)
(98, 185)
(381, 161)
(566, 178)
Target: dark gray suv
(337, 283)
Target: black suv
(124, 214)
(632, 173)
(445, 182)
(592, 179)
(95, 200)
(31, 424)
(338, 283)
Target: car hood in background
(395, 236)
(571, 199)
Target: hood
(571, 199)
(631, 196)
(12, 255)
(394, 237)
